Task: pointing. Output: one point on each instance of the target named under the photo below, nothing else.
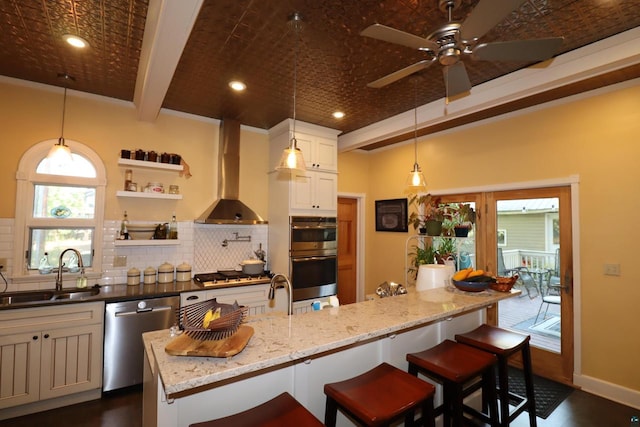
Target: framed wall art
(391, 215)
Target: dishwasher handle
(143, 310)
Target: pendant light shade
(415, 181)
(292, 156)
(60, 155)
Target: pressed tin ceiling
(249, 40)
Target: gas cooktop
(224, 278)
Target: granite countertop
(279, 339)
(116, 293)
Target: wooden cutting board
(184, 345)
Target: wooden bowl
(503, 284)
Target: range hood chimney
(228, 209)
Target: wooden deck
(514, 311)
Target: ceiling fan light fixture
(75, 41)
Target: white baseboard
(614, 392)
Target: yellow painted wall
(32, 114)
(595, 138)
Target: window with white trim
(58, 208)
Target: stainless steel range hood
(228, 209)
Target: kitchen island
(299, 354)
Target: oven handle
(314, 227)
(313, 258)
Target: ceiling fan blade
(518, 50)
(456, 79)
(486, 15)
(397, 75)
(391, 35)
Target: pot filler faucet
(61, 264)
(279, 284)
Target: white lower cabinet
(50, 352)
(305, 379)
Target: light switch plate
(612, 269)
(120, 261)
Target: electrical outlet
(3, 264)
(612, 269)
(120, 261)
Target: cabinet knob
(46, 335)
(35, 338)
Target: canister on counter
(165, 273)
(133, 277)
(183, 272)
(149, 276)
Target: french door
(528, 232)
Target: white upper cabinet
(319, 153)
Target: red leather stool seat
(458, 367)
(380, 396)
(281, 411)
(503, 344)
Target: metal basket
(192, 316)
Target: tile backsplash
(205, 247)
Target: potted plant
(446, 250)
(463, 218)
(428, 214)
(422, 255)
(458, 219)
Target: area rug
(548, 394)
(550, 326)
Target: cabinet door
(326, 154)
(326, 187)
(302, 196)
(19, 369)
(71, 360)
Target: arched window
(58, 208)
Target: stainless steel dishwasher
(124, 324)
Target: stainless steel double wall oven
(313, 252)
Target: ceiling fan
(448, 43)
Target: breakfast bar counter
(300, 353)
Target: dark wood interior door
(347, 250)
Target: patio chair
(550, 295)
(555, 273)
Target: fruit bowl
(466, 286)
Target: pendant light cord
(415, 120)
(64, 107)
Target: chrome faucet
(61, 264)
(278, 284)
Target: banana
(475, 273)
(462, 274)
(210, 316)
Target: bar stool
(380, 396)
(503, 344)
(458, 367)
(281, 411)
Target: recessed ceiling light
(75, 41)
(338, 114)
(237, 86)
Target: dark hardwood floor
(123, 408)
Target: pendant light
(60, 154)
(415, 180)
(292, 156)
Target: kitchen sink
(31, 297)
